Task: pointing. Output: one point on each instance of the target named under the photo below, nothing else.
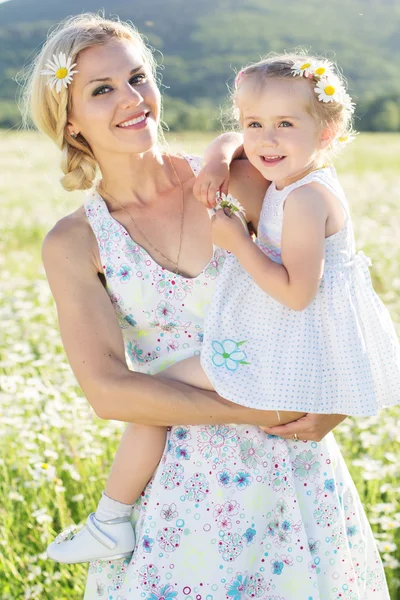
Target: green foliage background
(203, 42)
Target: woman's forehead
(106, 59)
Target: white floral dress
(231, 512)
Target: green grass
(44, 420)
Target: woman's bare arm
(94, 345)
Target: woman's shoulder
(248, 186)
(72, 236)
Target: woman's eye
(135, 80)
(254, 124)
(140, 78)
(101, 90)
(285, 124)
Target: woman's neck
(136, 178)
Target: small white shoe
(107, 540)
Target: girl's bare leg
(189, 371)
(142, 446)
(137, 457)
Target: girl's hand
(311, 427)
(228, 232)
(213, 178)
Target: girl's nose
(269, 138)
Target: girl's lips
(271, 161)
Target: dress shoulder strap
(195, 162)
(325, 176)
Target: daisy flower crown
(329, 87)
(59, 71)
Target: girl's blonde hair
(335, 116)
(49, 109)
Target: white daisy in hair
(322, 68)
(347, 102)
(303, 69)
(329, 89)
(345, 139)
(61, 70)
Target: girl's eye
(254, 124)
(285, 124)
(134, 80)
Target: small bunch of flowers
(230, 202)
(329, 87)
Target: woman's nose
(130, 96)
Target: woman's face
(115, 100)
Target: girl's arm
(295, 282)
(215, 174)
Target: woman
(229, 510)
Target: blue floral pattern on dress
(229, 354)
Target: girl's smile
(281, 138)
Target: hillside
(203, 41)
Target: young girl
(294, 323)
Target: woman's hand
(213, 178)
(311, 427)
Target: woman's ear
(72, 130)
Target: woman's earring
(74, 136)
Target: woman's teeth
(133, 121)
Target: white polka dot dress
(339, 355)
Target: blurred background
(203, 41)
(54, 453)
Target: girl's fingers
(224, 188)
(197, 189)
(204, 194)
(212, 192)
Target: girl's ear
(327, 137)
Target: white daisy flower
(343, 140)
(329, 90)
(322, 68)
(60, 69)
(347, 102)
(229, 201)
(303, 69)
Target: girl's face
(281, 139)
(115, 100)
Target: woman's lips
(135, 123)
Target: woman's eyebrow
(110, 78)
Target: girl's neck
(314, 166)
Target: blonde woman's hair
(48, 109)
(334, 116)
